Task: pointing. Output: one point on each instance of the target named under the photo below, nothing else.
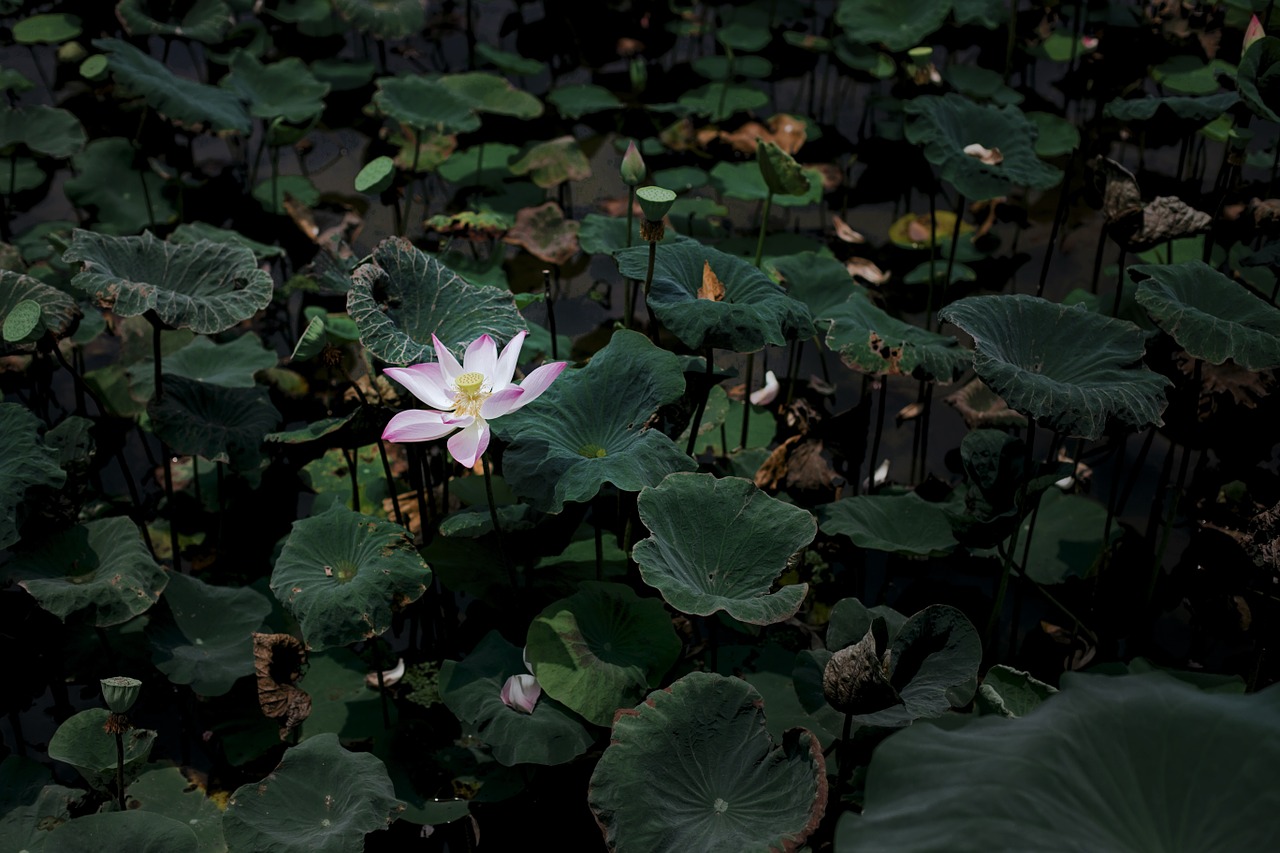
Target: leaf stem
(487, 465)
(702, 405)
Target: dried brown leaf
(278, 660)
(844, 232)
(712, 287)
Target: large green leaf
(342, 574)
(945, 125)
(426, 104)
(1071, 369)
(694, 768)
(1117, 763)
(167, 791)
(601, 649)
(576, 100)
(123, 832)
(101, 568)
(1209, 315)
(319, 799)
(203, 20)
(744, 181)
(206, 287)
(1067, 539)
(341, 701)
(590, 427)
(551, 734)
(1201, 109)
(754, 313)
(1258, 77)
(30, 805)
(208, 643)
(284, 89)
(123, 198)
(221, 424)
(183, 101)
(405, 296)
(900, 524)
(384, 19)
(871, 341)
(553, 162)
(230, 365)
(727, 555)
(890, 23)
(492, 93)
(81, 742)
(25, 462)
(43, 129)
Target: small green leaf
(81, 742)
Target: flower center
(469, 383)
(471, 394)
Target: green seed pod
(655, 202)
(120, 692)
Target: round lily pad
(81, 742)
(122, 832)
(405, 296)
(52, 28)
(589, 427)
(694, 768)
(726, 556)
(1069, 368)
(109, 183)
(221, 424)
(101, 568)
(472, 689)
(551, 163)
(425, 104)
(601, 649)
(341, 574)
(900, 524)
(492, 93)
(319, 799)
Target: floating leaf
(82, 742)
(1067, 541)
(694, 768)
(744, 181)
(577, 100)
(1069, 368)
(491, 93)
(1199, 110)
(1055, 135)
(52, 28)
(341, 574)
(123, 832)
(1188, 75)
(728, 555)
(424, 103)
(319, 799)
(221, 424)
(719, 101)
(30, 805)
(384, 19)
(276, 195)
(551, 163)
(43, 129)
(583, 434)
(184, 101)
(601, 649)
(166, 791)
(405, 296)
(900, 524)
(282, 90)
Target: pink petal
(521, 692)
(424, 381)
(507, 362)
(538, 381)
(500, 403)
(448, 364)
(419, 426)
(481, 357)
(467, 445)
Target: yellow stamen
(471, 394)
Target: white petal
(507, 362)
(448, 364)
(538, 381)
(467, 445)
(768, 393)
(426, 382)
(500, 403)
(420, 426)
(481, 357)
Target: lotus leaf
(583, 434)
(166, 791)
(601, 649)
(1116, 757)
(81, 742)
(123, 832)
(208, 644)
(551, 734)
(850, 620)
(184, 101)
(491, 93)
(599, 235)
(485, 164)
(55, 311)
(51, 28)
(725, 557)
(1067, 541)
(426, 104)
(721, 68)
(819, 282)
(1011, 693)
(101, 569)
(744, 181)
(886, 22)
(45, 130)
(284, 89)
(899, 524)
(341, 574)
(873, 342)
(30, 805)
(194, 232)
(577, 100)
(1055, 135)
(981, 84)
(1069, 368)
(203, 20)
(384, 19)
(1189, 108)
(229, 365)
(275, 194)
(405, 296)
(508, 63)
(544, 233)
(937, 272)
(770, 671)
(320, 799)
(342, 702)
(24, 174)
(754, 313)
(1210, 316)
(694, 768)
(1189, 75)
(221, 424)
(551, 163)
(108, 184)
(781, 173)
(719, 101)
(1259, 77)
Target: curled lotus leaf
(1199, 109)
(183, 101)
(695, 768)
(82, 742)
(1258, 77)
(492, 93)
(424, 103)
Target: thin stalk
(408, 188)
(497, 527)
(548, 293)
(924, 429)
(167, 458)
(648, 282)
(1097, 260)
(955, 241)
(1115, 304)
(764, 223)
(1059, 217)
(120, 770)
(933, 252)
(353, 461)
(391, 484)
(793, 368)
(746, 397)
(382, 694)
(1011, 40)
(702, 405)
(628, 285)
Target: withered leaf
(980, 406)
(545, 233)
(1138, 227)
(868, 271)
(844, 232)
(712, 287)
(278, 660)
(856, 679)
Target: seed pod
(120, 692)
(856, 679)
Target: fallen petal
(990, 156)
(768, 393)
(389, 677)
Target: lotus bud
(120, 692)
(856, 679)
(521, 692)
(633, 170)
(1252, 33)
(655, 202)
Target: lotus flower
(466, 396)
(521, 692)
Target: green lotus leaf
(770, 670)
(781, 173)
(850, 619)
(24, 174)
(1055, 136)
(899, 524)
(12, 80)
(1187, 74)
(208, 643)
(384, 19)
(1209, 315)
(694, 768)
(860, 57)
(405, 296)
(551, 163)
(81, 742)
(272, 194)
(921, 274)
(229, 365)
(583, 433)
(720, 101)
(55, 310)
(221, 424)
(822, 283)
(101, 569)
(1199, 109)
(577, 100)
(202, 20)
(341, 574)
(330, 475)
(107, 183)
(888, 23)
(1011, 693)
(601, 649)
(341, 701)
(166, 791)
(123, 832)
(206, 287)
(31, 806)
(1116, 758)
(720, 68)
(183, 101)
(483, 164)
(1069, 368)
(492, 93)
(194, 232)
(1258, 77)
(754, 313)
(981, 84)
(725, 557)
(508, 63)
(45, 130)
(871, 341)
(682, 179)
(472, 689)
(343, 74)
(599, 235)
(321, 798)
(946, 124)
(743, 181)
(1067, 541)
(426, 104)
(52, 28)
(284, 89)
